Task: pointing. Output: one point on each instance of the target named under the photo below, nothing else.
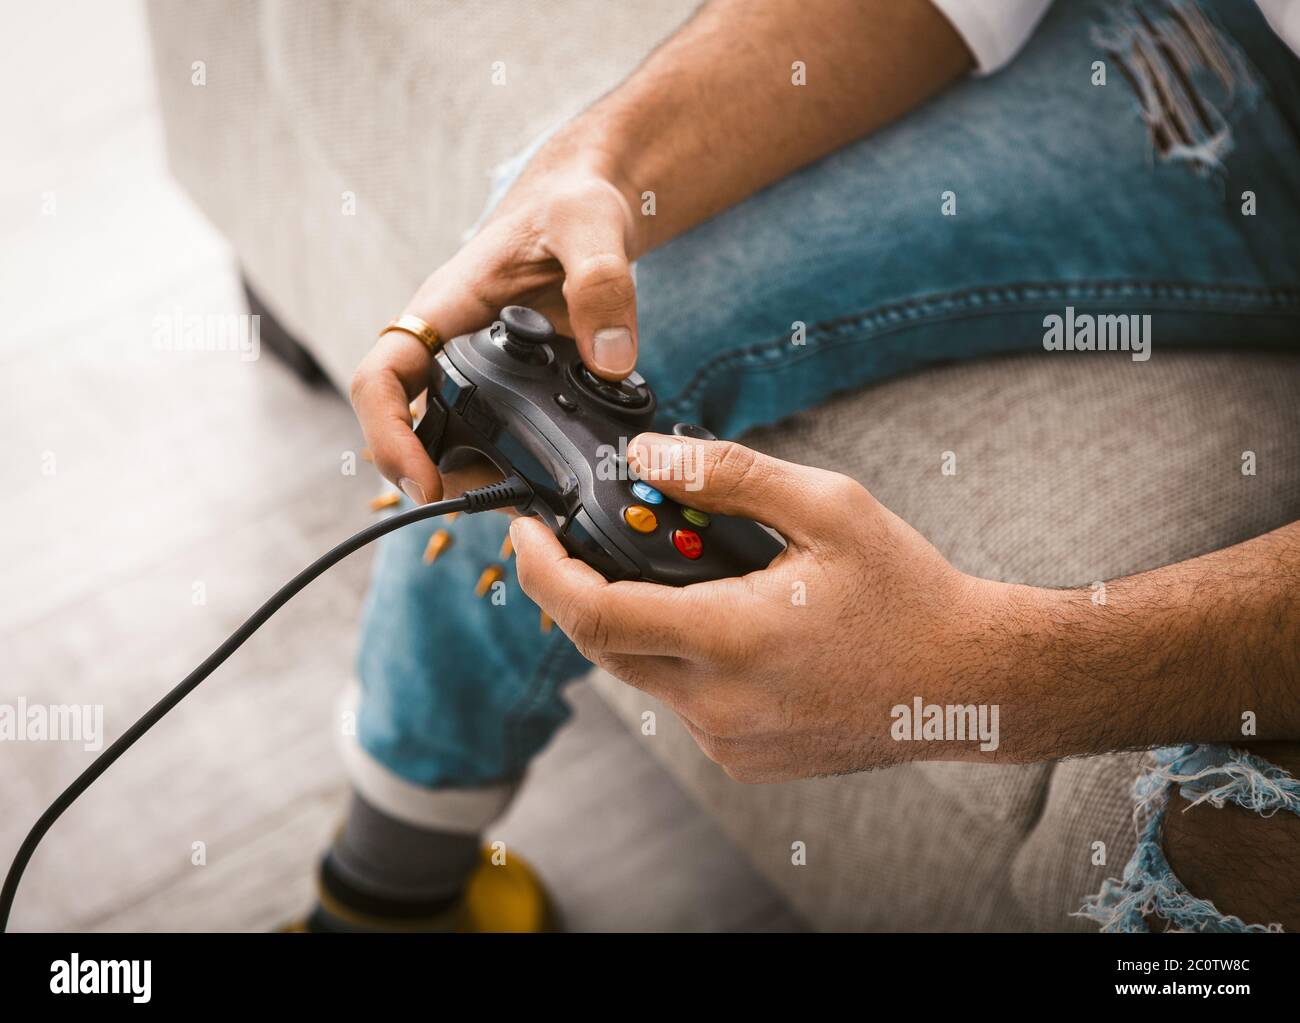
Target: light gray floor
(151, 500)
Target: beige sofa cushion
(449, 91)
(391, 101)
(1069, 470)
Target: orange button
(640, 518)
(688, 543)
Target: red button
(688, 543)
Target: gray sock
(392, 859)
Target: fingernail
(411, 489)
(613, 351)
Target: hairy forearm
(715, 115)
(1205, 650)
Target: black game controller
(518, 395)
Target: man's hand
(702, 124)
(792, 671)
(560, 242)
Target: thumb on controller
(803, 504)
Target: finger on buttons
(507, 549)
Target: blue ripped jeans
(1063, 195)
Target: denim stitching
(541, 683)
(1237, 297)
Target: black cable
(512, 491)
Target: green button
(695, 518)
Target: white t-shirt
(995, 30)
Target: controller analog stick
(525, 335)
(527, 326)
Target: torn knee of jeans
(1189, 77)
(1217, 775)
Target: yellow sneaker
(506, 898)
(501, 898)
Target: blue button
(647, 493)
